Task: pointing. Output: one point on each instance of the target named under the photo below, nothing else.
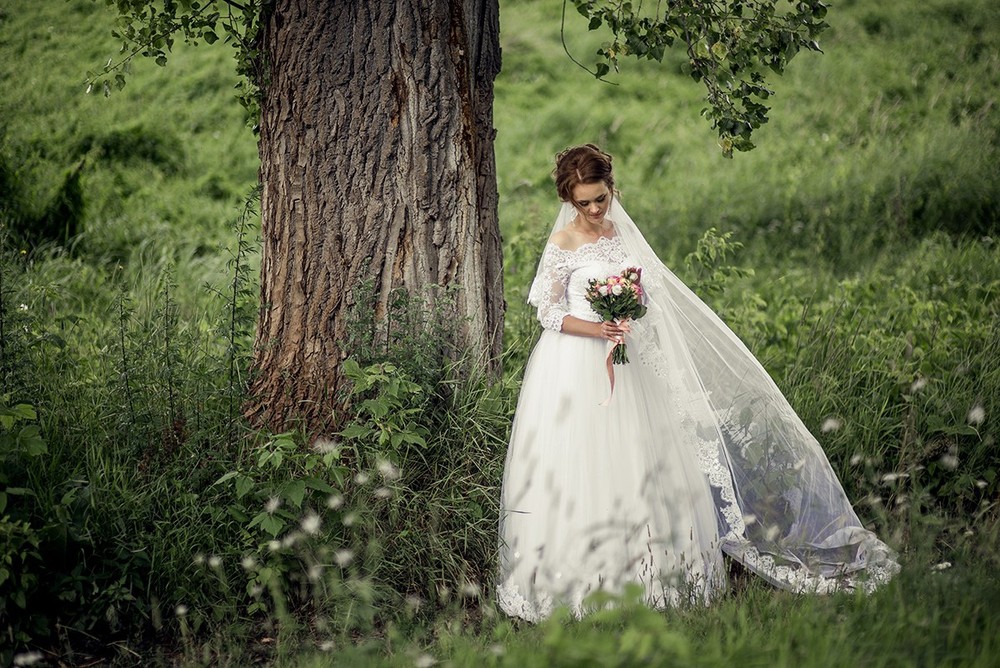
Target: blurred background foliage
(861, 265)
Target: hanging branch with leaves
(730, 44)
(150, 29)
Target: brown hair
(581, 164)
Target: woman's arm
(599, 330)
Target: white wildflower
(387, 469)
(311, 523)
(444, 593)
(413, 603)
(890, 478)
(831, 424)
(343, 557)
(424, 661)
(214, 561)
(274, 545)
(976, 415)
(981, 484)
(749, 519)
(27, 658)
(199, 559)
(350, 519)
(334, 501)
(856, 459)
(314, 572)
(470, 590)
(248, 562)
(23, 307)
(944, 565)
(918, 384)
(327, 646)
(181, 610)
(362, 478)
(949, 461)
(272, 505)
(291, 539)
(772, 532)
(325, 446)
(383, 493)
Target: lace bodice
(565, 276)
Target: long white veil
(781, 510)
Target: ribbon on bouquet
(610, 365)
(611, 372)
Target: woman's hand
(613, 331)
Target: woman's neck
(592, 230)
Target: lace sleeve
(548, 291)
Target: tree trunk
(376, 147)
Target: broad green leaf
(293, 491)
(272, 525)
(225, 477)
(355, 431)
(244, 484)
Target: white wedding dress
(655, 485)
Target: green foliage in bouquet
(618, 298)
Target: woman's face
(592, 201)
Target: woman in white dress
(695, 454)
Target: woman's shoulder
(567, 241)
(563, 240)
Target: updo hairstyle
(581, 164)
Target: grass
(868, 215)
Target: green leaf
(210, 37)
(237, 514)
(25, 412)
(319, 485)
(272, 525)
(227, 476)
(244, 484)
(355, 431)
(293, 491)
(351, 368)
(31, 441)
(414, 438)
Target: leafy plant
(21, 563)
(728, 45)
(386, 409)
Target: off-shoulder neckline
(599, 242)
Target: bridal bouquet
(618, 298)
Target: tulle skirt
(597, 496)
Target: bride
(649, 472)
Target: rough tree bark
(376, 147)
